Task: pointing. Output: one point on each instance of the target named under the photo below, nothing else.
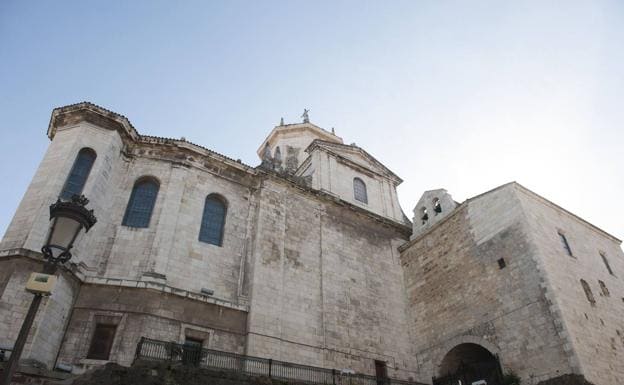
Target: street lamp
(67, 219)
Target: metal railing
(149, 349)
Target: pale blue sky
(463, 95)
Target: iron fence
(149, 349)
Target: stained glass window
(359, 190)
(78, 174)
(141, 204)
(213, 221)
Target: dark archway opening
(468, 363)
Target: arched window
(141, 203)
(437, 207)
(78, 175)
(588, 292)
(213, 220)
(359, 190)
(425, 215)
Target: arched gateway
(468, 363)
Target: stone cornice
(161, 287)
(75, 272)
(555, 206)
(101, 117)
(94, 114)
(405, 229)
(334, 149)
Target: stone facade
(494, 272)
(594, 332)
(315, 295)
(307, 270)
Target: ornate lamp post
(67, 219)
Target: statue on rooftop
(306, 118)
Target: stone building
(306, 258)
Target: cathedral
(307, 258)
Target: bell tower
(432, 207)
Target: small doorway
(381, 372)
(192, 351)
(102, 342)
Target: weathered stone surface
(307, 273)
(304, 262)
(531, 313)
(594, 333)
(147, 313)
(316, 296)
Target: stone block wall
(594, 331)
(335, 174)
(322, 273)
(326, 285)
(52, 317)
(147, 313)
(170, 246)
(30, 223)
(317, 290)
(458, 293)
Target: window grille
(213, 221)
(78, 174)
(141, 204)
(359, 190)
